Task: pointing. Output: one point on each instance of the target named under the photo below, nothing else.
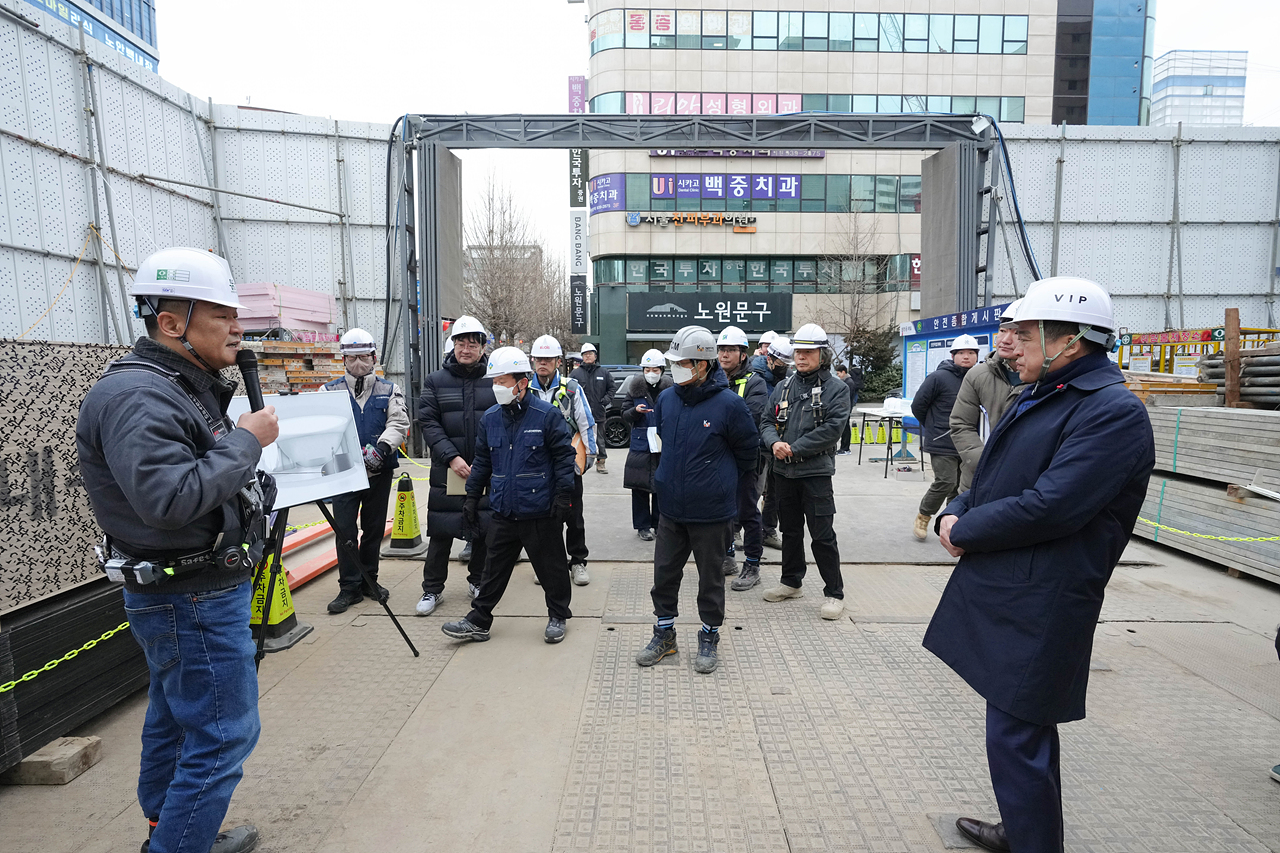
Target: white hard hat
(588, 347)
(966, 342)
(465, 325)
(507, 360)
(186, 273)
(781, 349)
(1010, 311)
(767, 337)
(653, 358)
(356, 342)
(732, 336)
(694, 342)
(546, 347)
(1071, 300)
(809, 336)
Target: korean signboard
(667, 311)
(744, 153)
(578, 257)
(95, 29)
(740, 221)
(578, 305)
(578, 177)
(608, 192)
(577, 95)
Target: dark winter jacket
(760, 366)
(641, 463)
(813, 442)
(524, 454)
(449, 410)
(1054, 500)
(708, 442)
(932, 404)
(597, 384)
(984, 395)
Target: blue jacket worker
(173, 486)
(709, 443)
(1055, 496)
(524, 457)
(382, 422)
(733, 353)
(641, 391)
(931, 406)
(802, 426)
(597, 383)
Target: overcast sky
(373, 61)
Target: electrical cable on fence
(1024, 239)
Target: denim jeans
(202, 717)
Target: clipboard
(453, 483)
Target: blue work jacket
(1054, 500)
(524, 454)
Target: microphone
(248, 364)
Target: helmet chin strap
(191, 307)
(1044, 367)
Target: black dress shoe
(989, 836)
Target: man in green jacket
(987, 390)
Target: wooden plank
(1231, 356)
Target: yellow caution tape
(1207, 536)
(9, 685)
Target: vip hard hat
(507, 360)
(781, 349)
(767, 338)
(356, 342)
(1071, 300)
(732, 336)
(692, 342)
(185, 273)
(546, 347)
(653, 358)
(588, 347)
(465, 325)
(966, 342)
(1010, 311)
(809, 336)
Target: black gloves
(386, 451)
(562, 506)
(471, 512)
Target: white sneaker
(832, 608)
(782, 592)
(579, 574)
(427, 603)
(474, 590)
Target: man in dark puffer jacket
(932, 406)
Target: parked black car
(616, 432)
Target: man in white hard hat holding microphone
(1054, 499)
(382, 422)
(567, 396)
(931, 406)
(173, 486)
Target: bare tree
(513, 285)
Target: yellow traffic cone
(284, 630)
(855, 434)
(406, 534)
(881, 438)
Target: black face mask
(779, 372)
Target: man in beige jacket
(986, 392)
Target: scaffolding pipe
(106, 185)
(231, 192)
(108, 303)
(208, 176)
(1175, 240)
(1057, 199)
(344, 236)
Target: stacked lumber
(296, 365)
(1163, 389)
(1203, 456)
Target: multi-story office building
(126, 26)
(1199, 87)
(775, 239)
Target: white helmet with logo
(809, 336)
(767, 338)
(694, 342)
(185, 273)
(1071, 300)
(732, 336)
(966, 342)
(588, 347)
(546, 347)
(466, 325)
(356, 342)
(780, 348)
(507, 360)
(653, 358)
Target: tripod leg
(272, 552)
(353, 553)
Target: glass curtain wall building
(126, 26)
(1199, 87)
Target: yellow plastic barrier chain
(1207, 536)
(9, 685)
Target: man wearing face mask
(709, 443)
(382, 422)
(449, 410)
(734, 356)
(524, 457)
(985, 393)
(597, 382)
(931, 406)
(641, 391)
(778, 361)
(802, 427)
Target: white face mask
(680, 374)
(652, 378)
(504, 394)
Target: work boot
(662, 644)
(750, 577)
(646, 534)
(427, 604)
(578, 573)
(921, 529)
(379, 594)
(771, 540)
(465, 556)
(600, 469)
(832, 608)
(346, 598)
(730, 565)
(782, 592)
(706, 660)
(473, 590)
(464, 630)
(555, 630)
